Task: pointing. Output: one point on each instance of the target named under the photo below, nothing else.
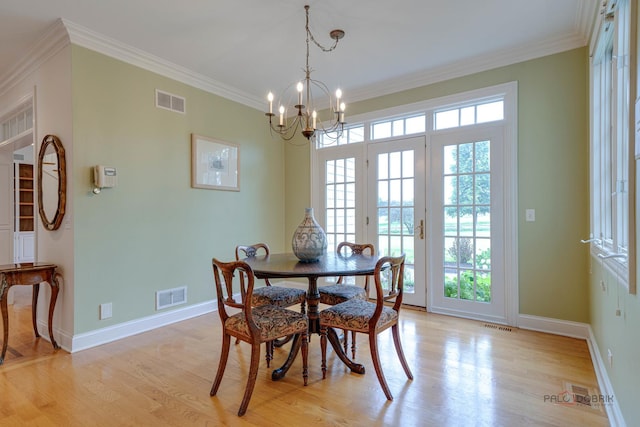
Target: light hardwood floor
(467, 373)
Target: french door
(456, 245)
(467, 218)
(396, 189)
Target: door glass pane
(467, 222)
(339, 201)
(396, 215)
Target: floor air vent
(498, 327)
(171, 297)
(170, 102)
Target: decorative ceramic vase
(309, 241)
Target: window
(610, 153)
(398, 127)
(469, 115)
(350, 135)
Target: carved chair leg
(373, 344)
(353, 344)
(269, 352)
(251, 380)
(305, 357)
(323, 349)
(345, 340)
(396, 341)
(224, 355)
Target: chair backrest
(347, 248)
(226, 275)
(356, 248)
(392, 269)
(251, 250)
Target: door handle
(420, 227)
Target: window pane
(415, 125)
(407, 163)
(381, 130)
(383, 166)
(490, 112)
(398, 127)
(446, 119)
(467, 116)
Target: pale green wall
(553, 176)
(153, 231)
(620, 334)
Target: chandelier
(305, 117)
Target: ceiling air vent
(171, 297)
(170, 102)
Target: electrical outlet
(106, 311)
(610, 357)
(530, 215)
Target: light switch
(530, 215)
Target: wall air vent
(18, 157)
(171, 297)
(170, 102)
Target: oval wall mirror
(52, 182)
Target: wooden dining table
(287, 266)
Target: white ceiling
(253, 46)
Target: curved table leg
(282, 341)
(335, 343)
(282, 371)
(4, 289)
(34, 308)
(55, 287)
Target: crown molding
(54, 39)
(84, 37)
(63, 32)
(467, 67)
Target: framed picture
(215, 164)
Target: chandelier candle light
(306, 117)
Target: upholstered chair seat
(355, 315)
(341, 292)
(371, 318)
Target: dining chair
(371, 318)
(274, 295)
(341, 292)
(254, 325)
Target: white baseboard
(582, 331)
(554, 326)
(613, 409)
(127, 329)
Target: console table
(29, 274)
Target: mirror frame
(53, 224)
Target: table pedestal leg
(313, 301)
(295, 347)
(337, 347)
